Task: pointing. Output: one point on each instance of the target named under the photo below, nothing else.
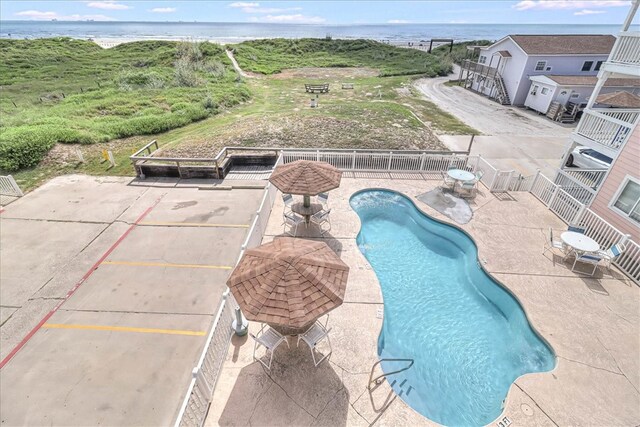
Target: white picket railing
(9, 187)
(626, 49)
(574, 187)
(205, 375)
(590, 177)
(609, 129)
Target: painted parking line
(124, 329)
(73, 290)
(192, 224)
(164, 264)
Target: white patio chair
(287, 199)
(323, 199)
(312, 337)
(589, 258)
(551, 244)
(468, 188)
(292, 221)
(479, 176)
(612, 253)
(321, 218)
(576, 228)
(447, 182)
(270, 339)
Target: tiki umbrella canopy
(305, 177)
(289, 283)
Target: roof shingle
(565, 44)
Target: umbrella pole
(306, 201)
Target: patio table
(579, 242)
(459, 175)
(306, 211)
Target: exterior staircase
(501, 96)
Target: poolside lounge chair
(551, 244)
(312, 337)
(321, 218)
(323, 199)
(292, 221)
(612, 253)
(288, 201)
(269, 339)
(590, 258)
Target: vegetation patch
(460, 51)
(72, 91)
(274, 55)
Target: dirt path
(237, 67)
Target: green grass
(72, 91)
(274, 55)
(459, 51)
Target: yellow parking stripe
(193, 224)
(124, 329)
(162, 264)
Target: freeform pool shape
(469, 337)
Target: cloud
(108, 5)
(163, 9)
(37, 15)
(567, 4)
(288, 19)
(588, 12)
(269, 9)
(398, 21)
(241, 5)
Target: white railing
(205, 375)
(9, 187)
(609, 129)
(488, 172)
(385, 161)
(590, 177)
(501, 181)
(574, 187)
(626, 49)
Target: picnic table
(313, 88)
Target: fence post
(535, 180)
(423, 158)
(317, 155)
(553, 196)
(390, 156)
(493, 181)
(578, 215)
(475, 169)
(353, 161)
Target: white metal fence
(9, 187)
(197, 400)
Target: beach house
(503, 69)
(612, 131)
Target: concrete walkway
(593, 325)
(513, 138)
(109, 287)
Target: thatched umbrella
(289, 283)
(306, 178)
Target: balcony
(606, 131)
(625, 55)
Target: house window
(598, 65)
(482, 59)
(627, 200)
(545, 90)
(587, 65)
(534, 90)
(541, 65)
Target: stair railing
(378, 380)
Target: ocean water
(469, 338)
(237, 32)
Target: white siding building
(504, 68)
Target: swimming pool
(469, 337)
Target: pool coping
(479, 263)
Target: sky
(325, 12)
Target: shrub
(185, 74)
(129, 80)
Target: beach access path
(512, 137)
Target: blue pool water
(469, 337)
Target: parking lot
(109, 287)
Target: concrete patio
(592, 325)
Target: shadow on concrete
(293, 392)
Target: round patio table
(459, 175)
(306, 211)
(579, 241)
